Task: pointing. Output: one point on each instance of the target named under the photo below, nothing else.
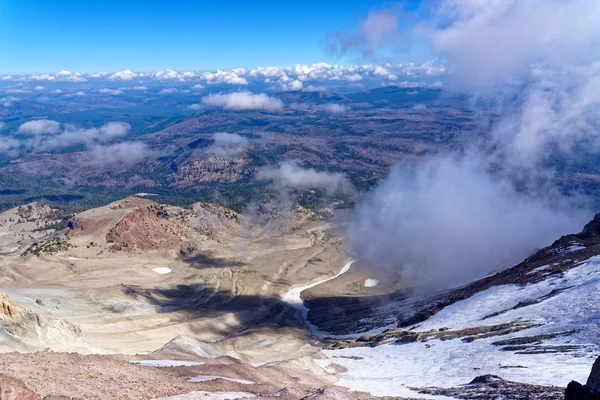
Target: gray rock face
(593, 380)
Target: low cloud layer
(46, 135)
(244, 101)
(39, 127)
(372, 33)
(332, 108)
(124, 152)
(228, 145)
(112, 92)
(294, 77)
(446, 221)
(290, 175)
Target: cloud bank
(39, 127)
(287, 78)
(446, 221)
(244, 101)
(378, 28)
(455, 217)
(290, 175)
(332, 108)
(45, 135)
(124, 152)
(228, 145)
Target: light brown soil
(114, 377)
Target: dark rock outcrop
(593, 380)
(15, 389)
(589, 391)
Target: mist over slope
(455, 216)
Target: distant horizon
(37, 37)
(150, 71)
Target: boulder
(589, 391)
(593, 380)
(15, 389)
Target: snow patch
(206, 378)
(165, 363)
(145, 194)
(538, 269)
(371, 282)
(209, 396)
(389, 370)
(161, 270)
(292, 297)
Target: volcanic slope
(534, 324)
(135, 275)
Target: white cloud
(353, 77)
(168, 91)
(50, 134)
(538, 63)
(332, 108)
(75, 78)
(168, 74)
(291, 175)
(315, 88)
(140, 88)
(244, 101)
(9, 146)
(220, 76)
(228, 145)
(39, 127)
(520, 34)
(125, 75)
(114, 129)
(294, 85)
(18, 91)
(38, 88)
(2, 125)
(112, 92)
(9, 101)
(493, 225)
(197, 86)
(98, 75)
(306, 75)
(124, 152)
(378, 28)
(44, 77)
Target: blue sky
(90, 36)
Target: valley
(258, 301)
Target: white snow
(371, 282)
(206, 378)
(209, 396)
(165, 363)
(292, 297)
(390, 369)
(74, 258)
(161, 270)
(145, 194)
(573, 247)
(538, 269)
